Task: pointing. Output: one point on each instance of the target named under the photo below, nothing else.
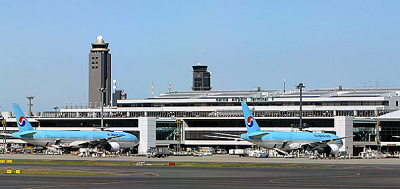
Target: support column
(147, 129)
(344, 127)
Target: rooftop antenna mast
(284, 85)
(152, 90)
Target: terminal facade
(183, 119)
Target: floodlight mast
(301, 86)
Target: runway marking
(362, 167)
(356, 167)
(293, 164)
(383, 167)
(146, 174)
(294, 181)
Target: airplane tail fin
(251, 123)
(22, 122)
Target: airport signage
(5, 161)
(240, 99)
(14, 171)
(390, 143)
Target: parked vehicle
(261, 155)
(221, 151)
(158, 152)
(240, 152)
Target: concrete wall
(344, 127)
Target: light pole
(102, 91)
(3, 122)
(301, 86)
(30, 98)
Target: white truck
(240, 152)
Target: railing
(220, 113)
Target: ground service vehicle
(158, 152)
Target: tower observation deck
(201, 78)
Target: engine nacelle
(112, 146)
(334, 149)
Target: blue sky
(45, 46)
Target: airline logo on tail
(22, 121)
(250, 121)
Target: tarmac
(207, 159)
(330, 173)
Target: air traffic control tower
(99, 73)
(201, 78)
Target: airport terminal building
(183, 119)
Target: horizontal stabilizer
(29, 134)
(6, 134)
(257, 135)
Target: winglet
(251, 123)
(22, 122)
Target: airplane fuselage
(291, 140)
(50, 137)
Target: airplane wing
(92, 142)
(323, 142)
(223, 137)
(256, 135)
(224, 134)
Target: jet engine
(332, 149)
(112, 146)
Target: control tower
(201, 78)
(99, 73)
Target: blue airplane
(110, 141)
(284, 142)
(289, 141)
